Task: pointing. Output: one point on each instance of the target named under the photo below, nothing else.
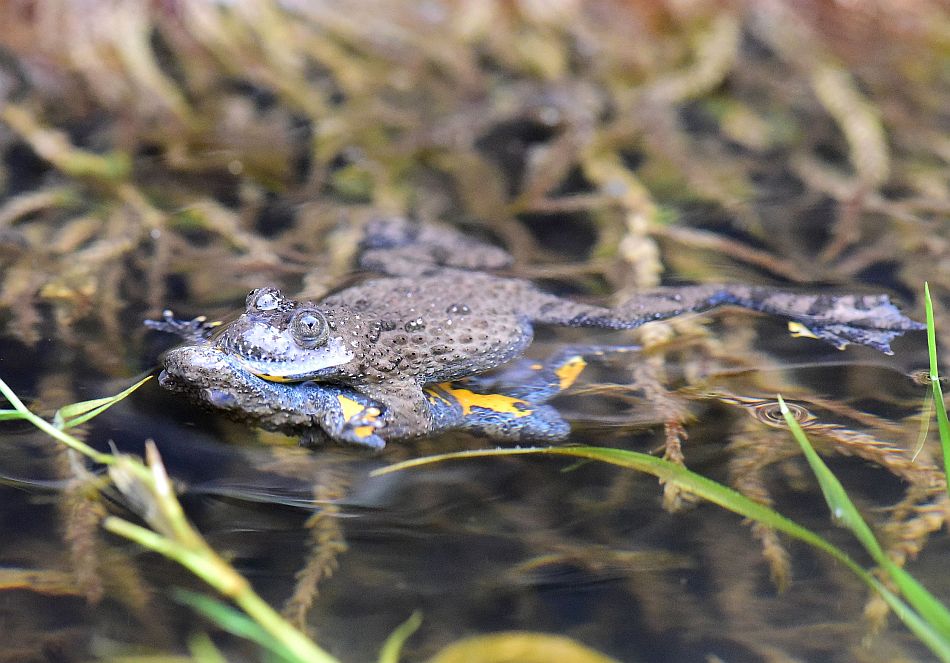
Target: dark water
(478, 546)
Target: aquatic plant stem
(52, 431)
(150, 491)
(930, 629)
(843, 510)
(391, 649)
(943, 424)
(54, 146)
(207, 565)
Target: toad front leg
(213, 378)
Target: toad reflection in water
(401, 356)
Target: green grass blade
(931, 331)
(847, 514)
(923, 629)
(234, 622)
(943, 424)
(78, 413)
(50, 429)
(925, 603)
(392, 648)
(178, 540)
(17, 404)
(723, 496)
(203, 650)
(73, 410)
(697, 484)
(842, 508)
(10, 415)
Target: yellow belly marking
(434, 394)
(276, 378)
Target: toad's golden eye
(263, 299)
(309, 328)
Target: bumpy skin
(386, 339)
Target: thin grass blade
(12, 397)
(233, 621)
(74, 414)
(392, 648)
(50, 429)
(922, 628)
(943, 424)
(848, 515)
(931, 634)
(694, 483)
(842, 508)
(203, 650)
(923, 431)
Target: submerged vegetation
(147, 489)
(178, 154)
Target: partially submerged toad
(508, 406)
(373, 357)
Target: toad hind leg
(540, 381)
(498, 416)
(870, 320)
(401, 247)
(509, 405)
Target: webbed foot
(351, 418)
(194, 330)
(361, 428)
(870, 320)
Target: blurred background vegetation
(175, 154)
(161, 152)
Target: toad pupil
(322, 368)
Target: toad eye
(309, 328)
(263, 299)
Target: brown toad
(387, 338)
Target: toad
(508, 405)
(437, 317)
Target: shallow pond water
(479, 545)
(179, 154)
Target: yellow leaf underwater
(519, 647)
